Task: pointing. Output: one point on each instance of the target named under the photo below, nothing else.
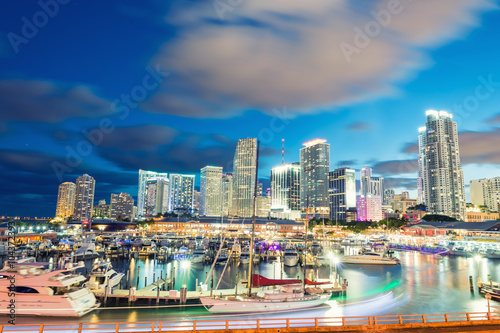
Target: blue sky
(205, 73)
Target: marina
(150, 287)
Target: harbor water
(423, 283)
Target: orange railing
(250, 323)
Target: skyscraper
(442, 175)
(315, 166)
(141, 193)
(65, 200)
(181, 191)
(227, 193)
(371, 185)
(342, 192)
(244, 171)
(211, 194)
(157, 192)
(122, 206)
(84, 197)
(388, 196)
(285, 191)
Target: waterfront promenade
(451, 322)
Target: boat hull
(253, 306)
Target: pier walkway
(451, 322)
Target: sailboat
(287, 297)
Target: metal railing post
(152, 327)
(374, 321)
(343, 321)
(423, 319)
(117, 328)
(41, 328)
(80, 326)
(287, 323)
(400, 319)
(446, 317)
(194, 326)
(316, 322)
(227, 324)
(258, 324)
(1, 328)
(468, 316)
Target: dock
(154, 293)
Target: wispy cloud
(291, 48)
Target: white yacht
(198, 256)
(103, 275)
(43, 292)
(290, 257)
(86, 251)
(286, 298)
(370, 258)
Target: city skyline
(65, 110)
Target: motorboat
(491, 253)
(245, 256)
(40, 291)
(290, 257)
(86, 251)
(103, 275)
(223, 257)
(370, 258)
(198, 256)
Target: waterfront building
(211, 194)
(285, 191)
(342, 192)
(369, 208)
(181, 193)
(101, 211)
(443, 181)
(157, 194)
(65, 200)
(486, 192)
(479, 216)
(315, 166)
(144, 176)
(227, 193)
(84, 197)
(244, 172)
(466, 231)
(122, 206)
(239, 227)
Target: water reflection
(421, 284)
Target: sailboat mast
(250, 265)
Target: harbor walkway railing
(322, 323)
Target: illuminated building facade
(65, 200)
(342, 192)
(122, 206)
(285, 191)
(144, 176)
(181, 192)
(84, 197)
(315, 165)
(244, 172)
(443, 180)
(211, 193)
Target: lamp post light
(185, 266)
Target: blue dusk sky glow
(110, 87)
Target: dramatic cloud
(162, 148)
(479, 147)
(29, 184)
(396, 167)
(263, 54)
(406, 183)
(44, 101)
(411, 148)
(348, 163)
(360, 126)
